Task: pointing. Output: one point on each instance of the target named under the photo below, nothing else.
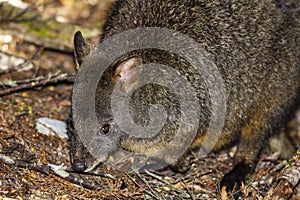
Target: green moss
(39, 29)
(13, 102)
(25, 108)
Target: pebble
(49, 126)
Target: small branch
(33, 84)
(10, 14)
(48, 169)
(184, 192)
(21, 66)
(151, 192)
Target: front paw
(233, 179)
(183, 164)
(180, 167)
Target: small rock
(49, 126)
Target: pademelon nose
(79, 166)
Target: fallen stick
(58, 170)
(43, 82)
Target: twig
(151, 192)
(20, 66)
(188, 190)
(179, 191)
(34, 84)
(133, 180)
(48, 169)
(16, 15)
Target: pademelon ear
(127, 73)
(81, 48)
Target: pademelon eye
(105, 129)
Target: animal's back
(255, 45)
